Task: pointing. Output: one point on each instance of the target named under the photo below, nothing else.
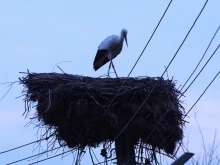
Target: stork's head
(124, 34)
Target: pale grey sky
(36, 35)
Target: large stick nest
(79, 109)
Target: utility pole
(125, 152)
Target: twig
(59, 63)
(61, 69)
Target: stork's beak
(126, 40)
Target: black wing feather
(100, 59)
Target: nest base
(77, 107)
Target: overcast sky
(37, 34)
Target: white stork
(109, 49)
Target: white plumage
(109, 49)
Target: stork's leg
(109, 67)
(114, 69)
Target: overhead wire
(201, 69)
(200, 59)
(32, 156)
(121, 85)
(163, 72)
(202, 94)
(129, 75)
(161, 118)
(125, 79)
(192, 83)
(194, 103)
(138, 57)
(196, 78)
(22, 146)
(158, 122)
(50, 157)
(188, 110)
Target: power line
(50, 157)
(201, 69)
(161, 118)
(200, 59)
(158, 122)
(202, 93)
(105, 161)
(139, 56)
(163, 72)
(194, 103)
(188, 110)
(22, 146)
(121, 85)
(32, 156)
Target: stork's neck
(122, 38)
